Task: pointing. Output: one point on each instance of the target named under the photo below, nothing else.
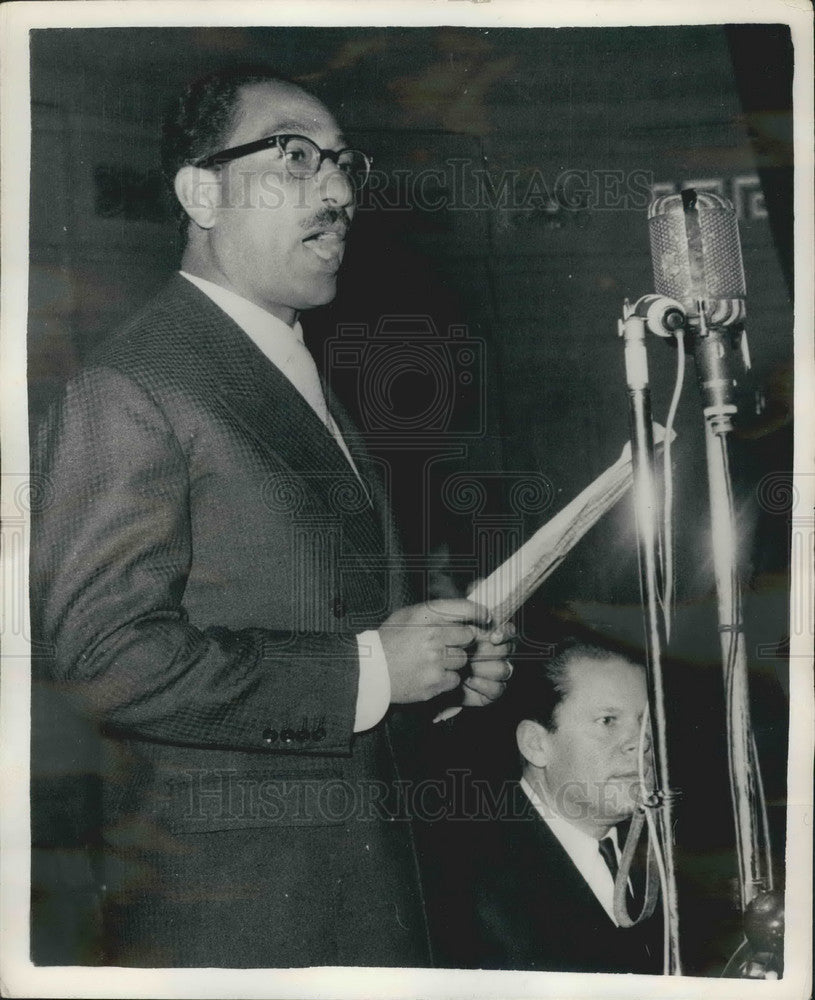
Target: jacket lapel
(564, 879)
(376, 476)
(237, 375)
(369, 469)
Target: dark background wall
(514, 292)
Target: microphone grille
(696, 253)
(669, 248)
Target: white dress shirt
(582, 849)
(283, 346)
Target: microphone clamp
(663, 316)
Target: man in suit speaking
(219, 583)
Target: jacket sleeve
(111, 553)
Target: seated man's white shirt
(283, 345)
(581, 848)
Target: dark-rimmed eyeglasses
(302, 157)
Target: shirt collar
(569, 835)
(582, 848)
(261, 326)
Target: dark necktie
(606, 849)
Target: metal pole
(647, 517)
(752, 877)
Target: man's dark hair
(199, 120)
(546, 683)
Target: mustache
(328, 218)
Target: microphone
(696, 257)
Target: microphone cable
(666, 602)
(667, 598)
(754, 764)
(653, 843)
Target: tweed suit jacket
(200, 577)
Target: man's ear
(533, 742)
(199, 192)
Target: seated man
(534, 885)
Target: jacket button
(270, 735)
(318, 734)
(287, 736)
(301, 735)
(338, 607)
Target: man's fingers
(449, 682)
(454, 658)
(490, 652)
(459, 636)
(505, 633)
(499, 636)
(492, 670)
(458, 609)
(478, 691)
(474, 699)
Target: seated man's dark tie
(606, 848)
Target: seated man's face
(590, 774)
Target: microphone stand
(712, 347)
(761, 956)
(632, 329)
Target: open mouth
(329, 246)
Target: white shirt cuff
(374, 693)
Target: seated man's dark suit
(200, 574)
(521, 903)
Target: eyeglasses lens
(303, 160)
(355, 166)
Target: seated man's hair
(544, 684)
(198, 121)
